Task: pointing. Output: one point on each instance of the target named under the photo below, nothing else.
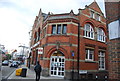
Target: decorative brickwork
(58, 35)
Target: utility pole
(23, 46)
(23, 49)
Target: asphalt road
(6, 71)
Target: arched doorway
(57, 64)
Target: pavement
(30, 76)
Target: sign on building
(40, 50)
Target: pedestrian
(38, 70)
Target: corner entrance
(57, 64)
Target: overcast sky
(17, 17)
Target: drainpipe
(78, 51)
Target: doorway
(57, 64)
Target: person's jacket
(38, 68)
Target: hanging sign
(40, 50)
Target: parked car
(19, 62)
(10, 61)
(5, 62)
(14, 64)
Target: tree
(8, 56)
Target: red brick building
(113, 23)
(57, 43)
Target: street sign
(40, 50)
(72, 53)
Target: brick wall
(69, 41)
(112, 11)
(114, 59)
(113, 14)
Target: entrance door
(57, 66)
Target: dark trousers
(37, 76)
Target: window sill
(101, 69)
(89, 38)
(101, 41)
(90, 61)
(58, 34)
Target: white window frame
(87, 53)
(92, 14)
(101, 35)
(101, 60)
(97, 17)
(55, 64)
(88, 33)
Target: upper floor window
(92, 14)
(64, 29)
(89, 54)
(53, 29)
(101, 57)
(88, 31)
(59, 29)
(101, 35)
(98, 17)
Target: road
(6, 71)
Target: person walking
(38, 70)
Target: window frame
(92, 14)
(89, 33)
(97, 17)
(64, 28)
(60, 29)
(101, 57)
(101, 35)
(54, 29)
(88, 54)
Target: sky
(17, 17)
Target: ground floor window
(89, 54)
(57, 65)
(101, 60)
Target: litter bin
(24, 72)
(18, 71)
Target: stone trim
(75, 60)
(64, 23)
(82, 70)
(62, 44)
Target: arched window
(88, 31)
(101, 35)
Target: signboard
(83, 71)
(40, 50)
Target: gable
(95, 7)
